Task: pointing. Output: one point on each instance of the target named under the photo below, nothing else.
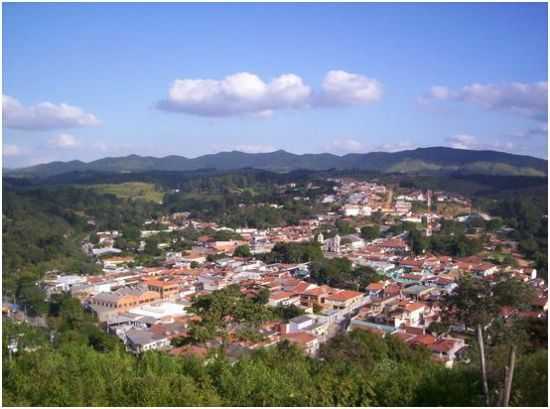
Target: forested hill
(434, 160)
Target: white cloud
(44, 116)
(64, 140)
(343, 146)
(465, 141)
(11, 150)
(247, 94)
(462, 141)
(255, 148)
(241, 93)
(528, 99)
(394, 147)
(246, 148)
(343, 88)
(439, 92)
(350, 145)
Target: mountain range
(431, 160)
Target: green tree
(370, 232)
(242, 251)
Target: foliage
(43, 227)
(344, 227)
(370, 232)
(221, 308)
(131, 190)
(242, 251)
(294, 253)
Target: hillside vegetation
(132, 190)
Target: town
(375, 275)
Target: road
(387, 205)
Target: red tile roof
(344, 295)
(302, 338)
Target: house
(401, 207)
(484, 269)
(194, 256)
(160, 310)
(165, 288)
(393, 245)
(375, 289)
(282, 298)
(105, 250)
(62, 283)
(309, 343)
(108, 304)
(417, 291)
(345, 300)
(299, 323)
(353, 241)
(351, 210)
(226, 246)
(315, 296)
(141, 340)
(447, 350)
(409, 313)
(115, 261)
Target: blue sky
(84, 81)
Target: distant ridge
(431, 160)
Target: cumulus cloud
(343, 88)
(245, 93)
(350, 145)
(11, 150)
(527, 99)
(64, 140)
(44, 116)
(465, 141)
(462, 141)
(255, 148)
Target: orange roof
(444, 345)
(161, 283)
(413, 330)
(405, 337)
(425, 340)
(344, 295)
(413, 306)
(302, 338)
(187, 350)
(301, 287)
(375, 286)
(280, 295)
(316, 291)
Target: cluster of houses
(147, 308)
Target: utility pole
(484, 382)
(509, 376)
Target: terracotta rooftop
(344, 295)
(302, 338)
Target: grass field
(132, 190)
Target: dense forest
(42, 229)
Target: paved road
(387, 205)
